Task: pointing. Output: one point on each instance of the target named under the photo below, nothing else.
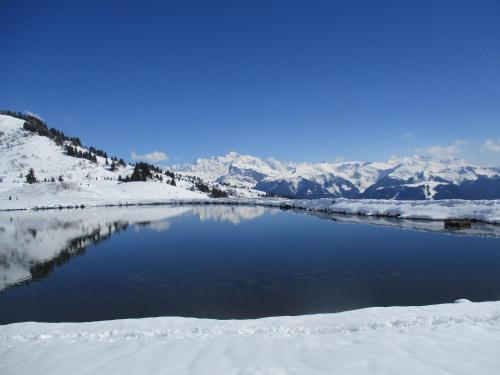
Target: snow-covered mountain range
(64, 167)
(405, 178)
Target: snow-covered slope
(92, 193)
(21, 150)
(406, 178)
(69, 180)
(460, 338)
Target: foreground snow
(461, 338)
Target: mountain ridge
(406, 178)
(54, 156)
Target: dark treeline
(145, 171)
(214, 191)
(218, 193)
(36, 125)
(73, 151)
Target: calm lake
(232, 262)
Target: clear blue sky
(294, 80)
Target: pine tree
(137, 174)
(217, 193)
(30, 177)
(142, 171)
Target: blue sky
(313, 81)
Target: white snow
(101, 193)
(483, 210)
(461, 338)
(92, 193)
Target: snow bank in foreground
(461, 338)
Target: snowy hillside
(406, 178)
(65, 179)
(21, 150)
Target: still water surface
(228, 262)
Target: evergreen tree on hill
(142, 171)
(30, 177)
(217, 193)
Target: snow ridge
(215, 329)
(460, 338)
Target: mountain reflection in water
(32, 243)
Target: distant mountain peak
(415, 177)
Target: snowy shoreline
(486, 211)
(460, 338)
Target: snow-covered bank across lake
(95, 193)
(111, 193)
(481, 210)
(460, 338)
